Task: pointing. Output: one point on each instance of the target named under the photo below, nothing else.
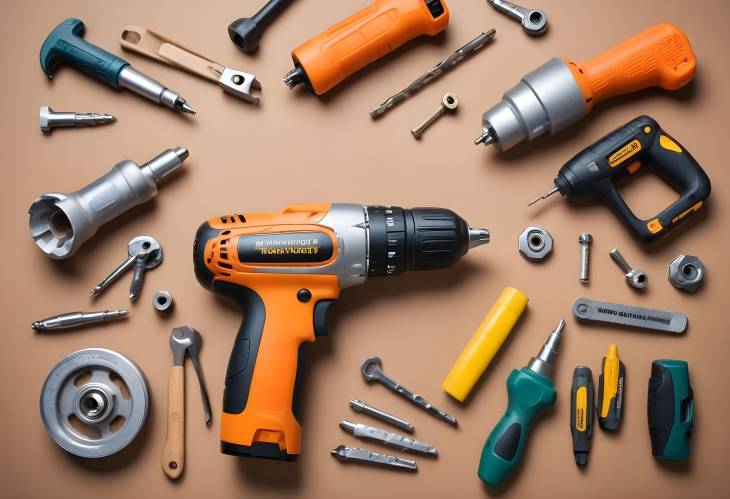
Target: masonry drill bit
(388, 438)
(51, 119)
(441, 67)
(75, 319)
(365, 456)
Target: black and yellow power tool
(284, 270)
(640, 142)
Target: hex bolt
(636, 278)
(585, 240)
(449, 103)
(246, 32)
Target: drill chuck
(61, 223)
(546, 100)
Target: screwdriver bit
(75, 319)
(51, 119)
(365, 456)
(388, 438)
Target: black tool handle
(269, 11)
(641, 142)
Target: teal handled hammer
(65, 44)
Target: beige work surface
(298, 148)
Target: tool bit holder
(61, 223)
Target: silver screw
(449, 102)
(585, 240)
(636, 278)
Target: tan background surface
(299, 148)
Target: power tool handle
(65, 45)
(659, 56)
(528, 393)
(668, 159)
(366, 36)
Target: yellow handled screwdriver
(611, 385)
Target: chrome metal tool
(388, 438)
(94, 403)
(627, 315)
(365, 456)
(533, 21)
(50, 119)
(371, 371)
(184, 341)
(76, 319)
(386, 417)
(431, 74)
(61, 222)
(144, 253)
(637, 279)
(160, 48)
(449, 103)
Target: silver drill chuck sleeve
(61, 223)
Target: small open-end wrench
(371, 371)
(627, 315)
(144, 253)
(184, 341)
(534, 21)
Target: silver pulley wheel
(94, 402)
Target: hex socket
(60, 223)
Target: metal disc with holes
(94, 402)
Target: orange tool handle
(659, 56)
(366, 36)
(261, 415)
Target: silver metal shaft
(585, 240)
(441, 67)
(145, 86)
(477, 237)
(75, 319)
(544, 362)
(388, 438)
(386, 417)
(365, 456)
(620, 260)
(50, 119)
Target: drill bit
(50, 119)
(365, 456)
(543, 196)
(388, 438)
(75, 319)
(441, 67)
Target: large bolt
(585, 240)
(636, 278)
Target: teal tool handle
(528, 394)
(65, 45)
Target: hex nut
(162, 301)
(535, 243)
(686, 272)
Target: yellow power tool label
(624, 153)
(581, 405)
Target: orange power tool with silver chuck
(561, 91)
(328, 58)
(284, 270)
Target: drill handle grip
(528, 393)
(65, 45)
(659, 56)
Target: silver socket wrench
(533, 21)
(627, 315)
(61, 223)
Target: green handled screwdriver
(529, 390)
(65, 45)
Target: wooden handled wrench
(183, 340)
(160, 48)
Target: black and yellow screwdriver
(582, 404)
(611, 384)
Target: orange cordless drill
(284, 270)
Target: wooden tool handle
(160, 48)
(173, 454)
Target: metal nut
(686, 272)
(535, 243)
(162, 301)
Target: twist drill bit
(441, 67)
